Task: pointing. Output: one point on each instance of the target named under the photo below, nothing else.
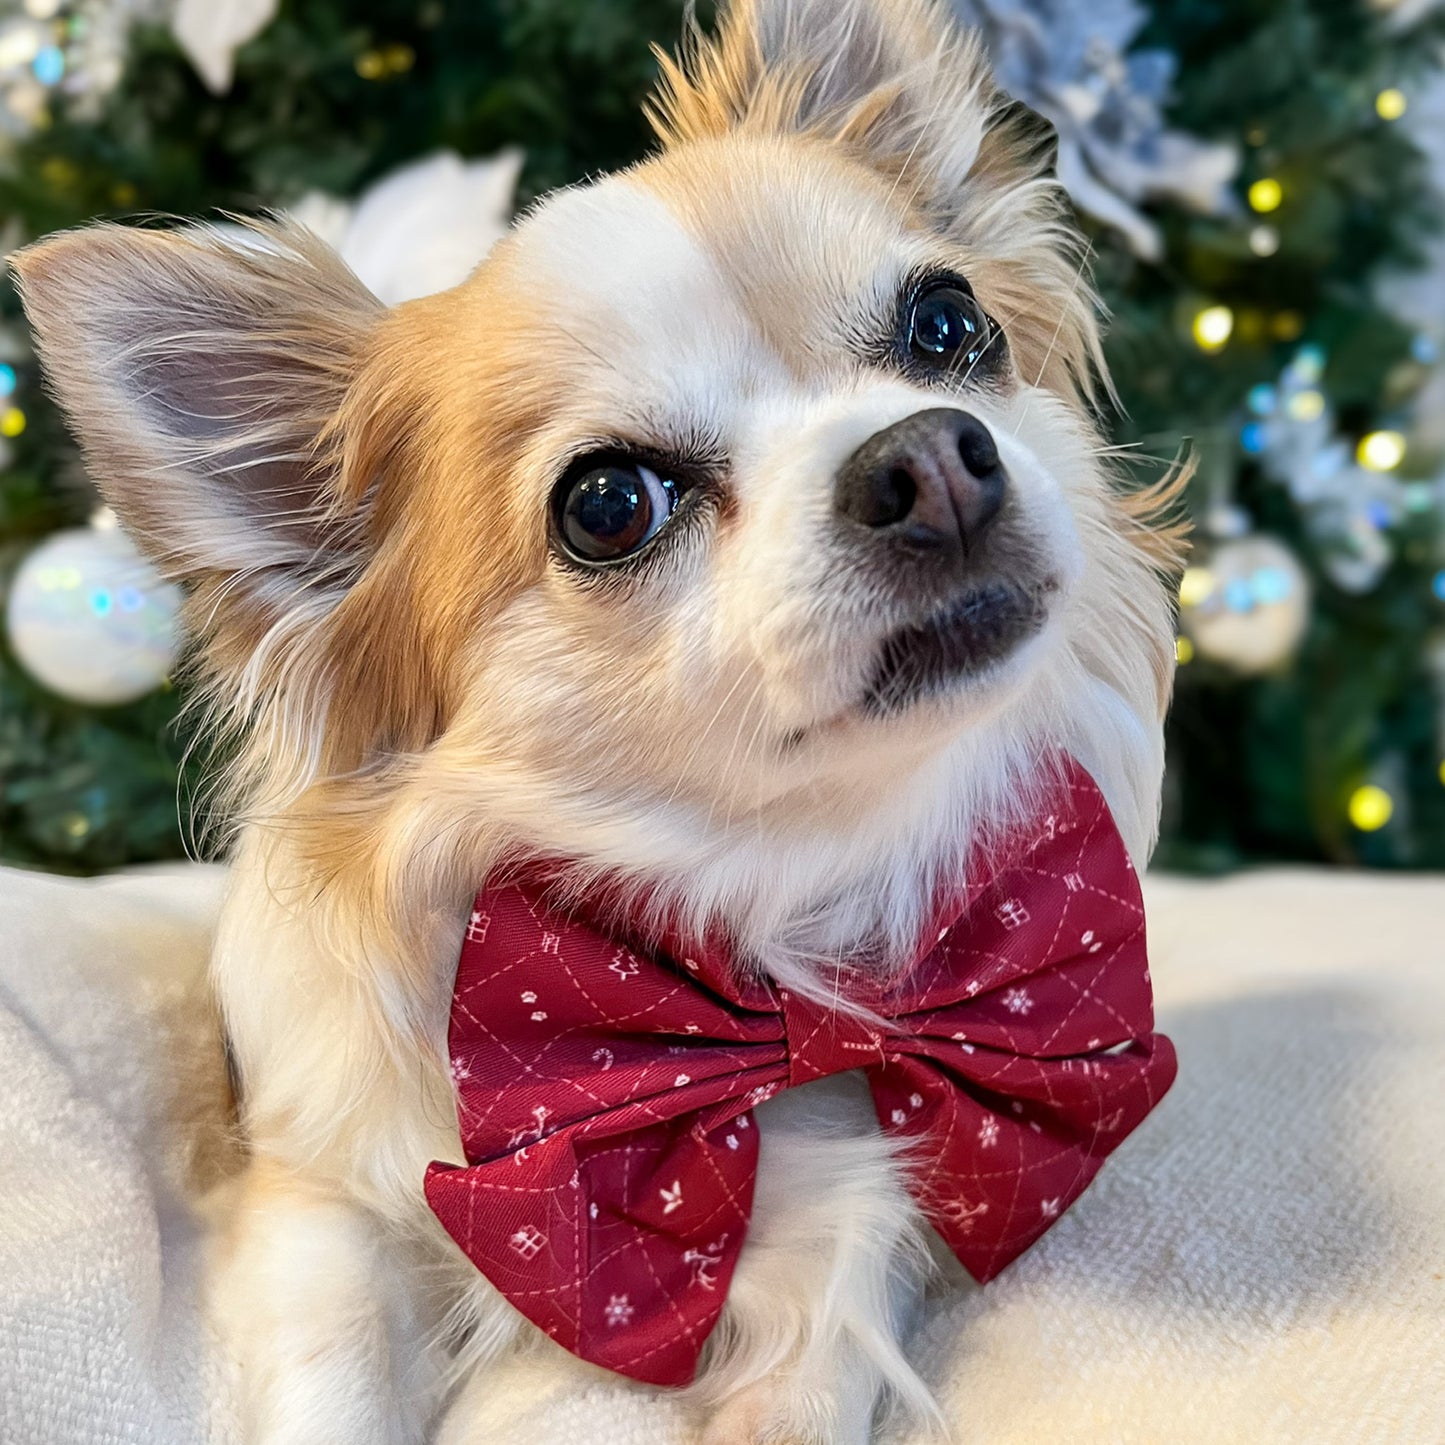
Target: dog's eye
(948, 329)
(610, 511)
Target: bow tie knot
(823, 1040)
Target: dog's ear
(203, 372)
(241, 408)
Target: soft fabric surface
(1263, 1261)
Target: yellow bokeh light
(1442, 774)
(1307, 405)
(1391, 104)
(1213, 327)
(12, 422)
(1382, 451)
(1184, 655)
(1371, 808)
(1266, 195)
(1196, 586)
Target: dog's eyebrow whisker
(944, 95)
(1085, 256)
(577, 341)
(980, 356)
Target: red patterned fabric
(606, 1087)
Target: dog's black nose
(934, 480)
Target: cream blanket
(1263, 1262)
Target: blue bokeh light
(1239, 595)
(1272, 584)
(1263, 399)
(49, 65)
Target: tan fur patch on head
(776, 69)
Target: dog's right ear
(204, 372)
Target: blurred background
(1264, 185)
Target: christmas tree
(1257, 182)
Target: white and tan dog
(740, 527)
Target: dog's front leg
(828, 1281)
(321, 1312)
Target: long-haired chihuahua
(741, 528)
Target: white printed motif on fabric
(1018, 1001)
(528, 1241)
(1012, 914)
(704, 1263)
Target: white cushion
(1263, 1261)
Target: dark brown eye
(611, 511)
(948, 330)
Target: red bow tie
(606, 1088)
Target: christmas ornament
(76, 50)
(423, 228)
(1246, 603)
(88, 617)
(26, 71)
(211, 32)
(1073, 65)
(1213, 327)
(1391, 103)
(1371, 808)
(1266, 196)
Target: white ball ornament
(89, 618)
(1246, 604)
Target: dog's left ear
(897, 82)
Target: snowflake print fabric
(606, 1085)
